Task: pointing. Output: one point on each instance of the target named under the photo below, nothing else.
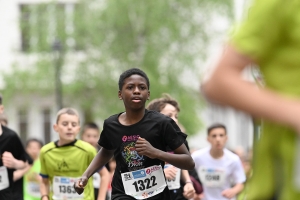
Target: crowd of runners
(142, 152)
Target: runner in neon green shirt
(270, 38)
(31, 180)
(63, 161)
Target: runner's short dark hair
(130, 72)
(214, 126)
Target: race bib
(33, 189)
(175, 183)
(4, 182)
(144, 183)
(63, 188)
(212, 177)
(96, 180)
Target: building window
(47, 125)
(42, 24)
(23, 124)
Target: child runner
(63, 161)
(12, 156)
(32, 180)
(221, 171)
(101, 180)
(269, 37)
(180, 190)
(138, 139)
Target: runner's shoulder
(48, 147)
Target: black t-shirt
(160, 131)
(10, 142)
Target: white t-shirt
(217, 175)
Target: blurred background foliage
(98, 40)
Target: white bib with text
(144, 183)
(63, 188)
(175, 183)
(212, 177)
(4, 182)
(33, 189)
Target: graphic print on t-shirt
(133, 160)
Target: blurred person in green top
(270, 38)
(32, 179)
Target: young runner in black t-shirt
(138, 139)
(12, 156)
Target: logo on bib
(138, 174)
(65, 180)
(152, 169)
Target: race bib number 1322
(144, 183)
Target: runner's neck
(216, 154)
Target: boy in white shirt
(218, 167)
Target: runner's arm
(188, 189)
(226, 86)
(10, 161)
(20, 172)
(232, 192)
(44, 189)
(101, 158)
(105, 178)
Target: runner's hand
(8, 160)
(80, 184)
(188, 190)
(143, 147)
(228, 193)
(198, 196)
(170, 172)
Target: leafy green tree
(166, 38)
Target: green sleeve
(43, 170)
(261, 30)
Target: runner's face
(217, 138)
(134, 92)
(171, 112)
(33, 149)
(67, 127)
(91, 136)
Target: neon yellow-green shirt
(31, 183)
(271, 36)
(63, 164)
